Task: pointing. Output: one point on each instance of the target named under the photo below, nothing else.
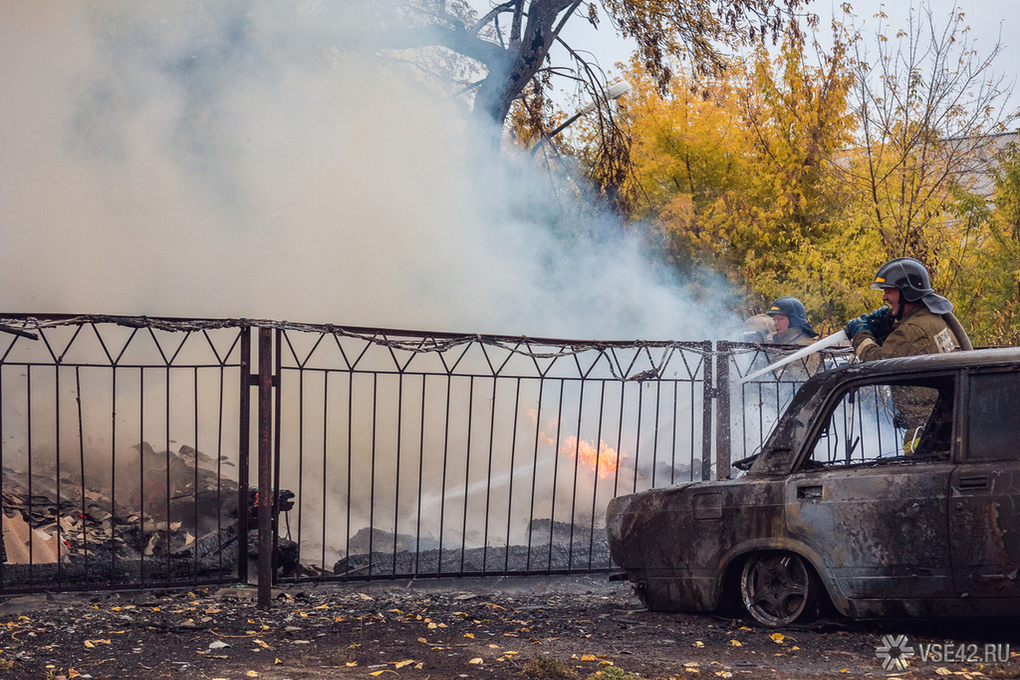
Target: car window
(895, 422)
(993, 416)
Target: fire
(603, 460)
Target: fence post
(708, 404)
(243, 456)
(265, 460)
(722, 409)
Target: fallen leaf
(469, 635)
(699, 644)
(277, 661)
(777, 637)
(252, 674)
(88, 643)
(724, 674)
(476, 660)
(423, 640)
(432, 625)
(365, 597)
(744, 628)
(691, 664)
(942, 670)
(351, 664)
(735, 643)
(589, 657)
(401, 664)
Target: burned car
(887, 488)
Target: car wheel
(778, 588)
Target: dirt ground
(561, 627)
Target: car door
(985, 489)
(878, 517)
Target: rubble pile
(553, 547)
(163, 515)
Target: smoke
(227, 159)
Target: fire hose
(839, 336)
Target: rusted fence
(139, 452)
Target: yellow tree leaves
(737, 171)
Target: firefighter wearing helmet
(913, 322)
(792, 325)
(793, 328)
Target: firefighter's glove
(880, 322)
(855, 326)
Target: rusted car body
(850, 500)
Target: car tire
(779, 588)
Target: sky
(990, 21)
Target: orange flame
(603, 460)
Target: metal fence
(135, 450)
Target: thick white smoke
(228, 159)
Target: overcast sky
(988, 20)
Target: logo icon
(895, 653)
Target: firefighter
(792, 325)
(759, 329)
(910, 324)
(793, 328)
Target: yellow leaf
(351, 664)
(405, 662)
(735, 643)
(476, 660)
(588, 657)
(699, 644)
(423, 640)
(606, 663)
(744, 628)
(252, 674)
(419, 665)
(277, 661)
(322, 606)
(88, 643)
(777, 637)
(942, 670)
(377, 672)
(432, 625)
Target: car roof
(926, 363)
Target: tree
(988, 293)
(739, 174)
(925, 106)
(512, 41)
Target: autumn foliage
(797, 174)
